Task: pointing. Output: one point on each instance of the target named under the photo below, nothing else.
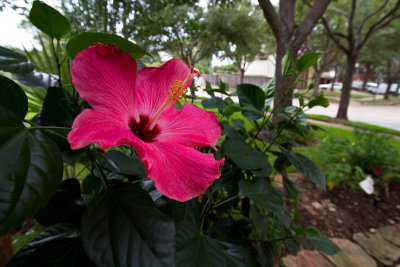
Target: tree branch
(384, 21)
(370, 15)
(271, 16)
(333, 37)
(339, 11)
(309, 22)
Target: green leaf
(31, 171)
(269, 90)
(36, 79)
(307, 167)
(292, 246)
(209, 89)
(14, 62)
(118, 162)
(239, 255)
(318, 100)
(87, 39)
(58, 231)
(123, 227)
(288, 64)
(261, 192)
(57, 109)
(245, 156)
(232, 133)
(213, 102)
(197, 249)
(91, 185)
(223, 86)
(13, 98)
(252, 101)
(49, 20)
(307, 60)
(323, 244)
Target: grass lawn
(356, 124)
(392, 100)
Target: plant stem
(57, 61)
(98, 168)
(50, 128)
(226, 200)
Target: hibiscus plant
(120, 170)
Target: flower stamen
(177, 91)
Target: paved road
(386, 116)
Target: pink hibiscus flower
(138, 110)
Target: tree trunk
(284, 92)
(388, 78)
(317, 82)
(241, 75)
(348, 79)
(387, 93)
(366, 77)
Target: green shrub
(367, 150)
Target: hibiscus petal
(153, 84)
(92, 127)
(180, 172)
(191, 126)
(105, 77)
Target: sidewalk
(379, 247)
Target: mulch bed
(341, 213)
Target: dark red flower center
(140, 130)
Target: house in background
(258, 72)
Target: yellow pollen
(177, 91)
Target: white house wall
(261, 68)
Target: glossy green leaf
(318, 100)
(197, 249)
(238, 255)
(213, 102)
(252, 101)
(269, 90)
(14, 62)
(30, 172)
(288, 64)
(118, 162)
(323, 244)
(123, 227)
(13, 98)
(57, 109)
(261, 192)
(186, 211)
(87, 39)
(209, 89)
(307, 60)
(49, 20)
(59, 231)
(307, 167)
(245, 156)
(36, 79)
(231, 133)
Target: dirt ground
(341, 213)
